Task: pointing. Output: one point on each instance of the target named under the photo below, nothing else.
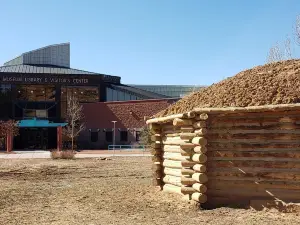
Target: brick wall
(128, 114)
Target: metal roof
(42, 69)
(139, 92)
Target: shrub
(65, 154)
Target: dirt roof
(270, 84)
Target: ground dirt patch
(276, 83)
(91, 191)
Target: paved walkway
(46, 154)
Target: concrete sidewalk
(46, 154)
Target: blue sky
(193, 42)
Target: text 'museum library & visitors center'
(34, 91)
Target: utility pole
(114, 139)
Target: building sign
(44, 80)
(61, 79)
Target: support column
(59, 138)
(9, 139)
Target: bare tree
(287, 48)
(74, 119)
(275, 54)
(297, 30)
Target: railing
(142, 148)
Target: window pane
(94, 136)
(109, 136)
(137, 135)
(124, 135)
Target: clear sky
(192, 42)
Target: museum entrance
(36, 138)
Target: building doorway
(36, 138)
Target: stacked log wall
(236, 156)
(253, 156)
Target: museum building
(34, 88)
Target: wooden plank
(253, 141)
(250, 146)
(172, 171)
(265, 159)
(253, 131)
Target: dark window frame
(123, 137)
(94, 136)
(109, 136)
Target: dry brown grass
(93, 191)
(66, 154)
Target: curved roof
(55, 55)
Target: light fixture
(31, 92)
(75, 92)
(81, 92)
(19, 91)
(90, 130)
(98, 130)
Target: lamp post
(114, 138)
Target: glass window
(124, 136)
(109, 136)
(41, 113)
(84, 94)
(137, 135)
(29, 113)
(94, 136)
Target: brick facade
(128, 114)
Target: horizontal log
(174, 142)
(201, 188)
(251, 146)
(188, 163)
(175, 156)
(200, 149)
(186, 180)
(172, 164)
(169, 179)
(280, 194)
(260, 137)
(265, 154)
(200, 177)
(169, 188)
(253, 131)
(264, 108)
(253, 141)
(174, 138)
(199, 158)
(202, 116)
(187, 136)
(172, 171)
(167, 126)
(199, 168)
(187, 146)
(201, 131)
(247, 125)
(256, 176)
(186, 171)
(177, 133)
(187, 190)
(164, 119)
(268, 114)
(199, 141)
(182, 122)
(254, 185)
(265, 159)
(187, 152)
(199, 124)
(187, 129)
(253, 164)
(201, 198)
(172, 148)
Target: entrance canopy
(39, 123)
